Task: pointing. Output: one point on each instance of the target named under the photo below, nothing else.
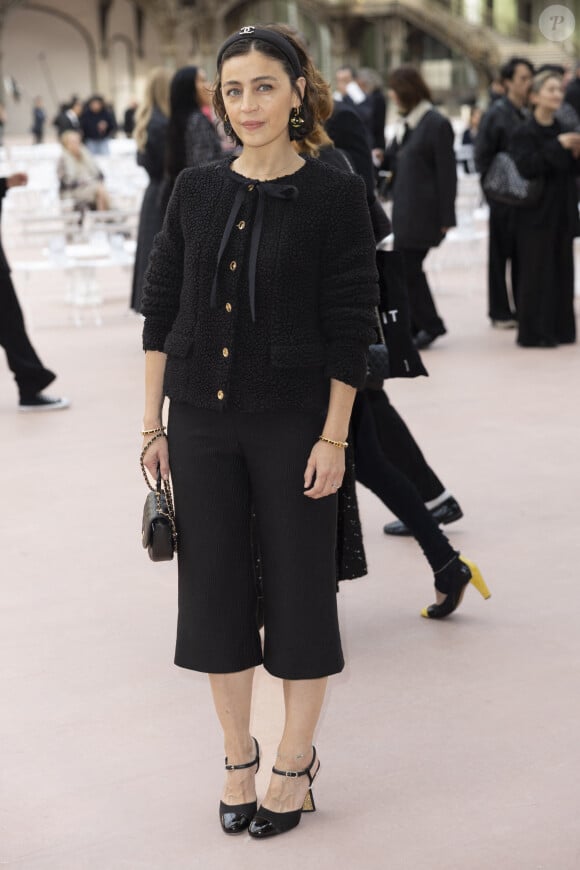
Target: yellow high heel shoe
(452, 581)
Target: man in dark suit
(495, 131)
(29, 373)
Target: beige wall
(48, 57)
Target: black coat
(378, 116)
(544, 237)
(538, 153)
(315, 262)
(152, 158)
(425, 183)
(573, 94)
(496, 129)
(4, 267)
(90, 121)
(347, 131)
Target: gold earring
(296, 120)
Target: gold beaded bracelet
(156, 431)
(342, 444)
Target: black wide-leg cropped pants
(224, 465)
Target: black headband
(275, 39)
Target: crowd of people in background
(532, 117)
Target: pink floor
(444, 746)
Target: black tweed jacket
(314, 256)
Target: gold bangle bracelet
(153, 431)
(342, 444)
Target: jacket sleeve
(164, 276)
(488, 141)
(534, 158)
(349, 287)
(446, 171)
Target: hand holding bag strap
(161, 506)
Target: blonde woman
(79, 175)
(150, 135)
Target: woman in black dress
(545, 232)
(259, 308)
(150, 132)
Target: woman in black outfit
(150, 132)
(452, 572)
(422, 160)
(258, 311)
(347, 132)
(545, 232)
(192, 139)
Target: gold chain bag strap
(158, 529)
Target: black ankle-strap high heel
(236, 818)
(267, 823)
(452, 581)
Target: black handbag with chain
(378, 360)
(158, 529)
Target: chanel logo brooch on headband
(247, 30)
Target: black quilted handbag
(503, 183)
(158, 530)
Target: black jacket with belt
(309, 250)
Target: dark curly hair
(317, 99)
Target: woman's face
(202, 90)
(258, 98)
(550, 96)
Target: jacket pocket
(290, 356)
(178, 344)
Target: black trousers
(502, 248)
(29, 373)
(395, 490)
(224, 465)
(424, 314)
(400, 448)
